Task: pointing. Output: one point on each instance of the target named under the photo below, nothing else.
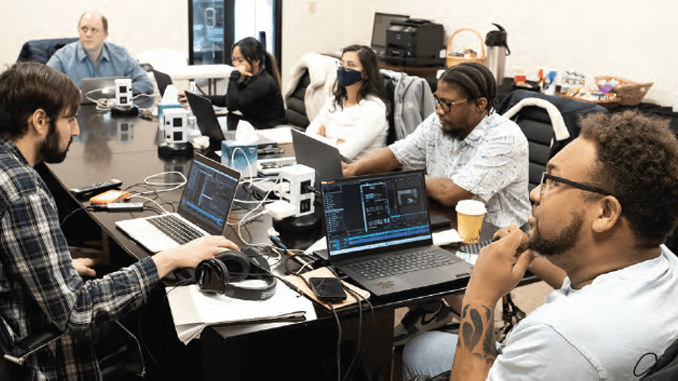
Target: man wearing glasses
(598, 224)
(468, 151)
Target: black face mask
(347, 77)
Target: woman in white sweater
(354, 118)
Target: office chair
(118, 360)
(42, 50)
(295, 110)
(548, 122)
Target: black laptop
(162, 80)
(379, 234)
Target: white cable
(164, 211)
(247, 160)
(176, 185)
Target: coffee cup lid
(471, 207)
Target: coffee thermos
(497, 50)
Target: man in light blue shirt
(92, 57)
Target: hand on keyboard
(192, 253)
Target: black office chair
(120, 359)
(548, 122)
(42, 50)
(295, 110)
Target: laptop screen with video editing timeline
(209, 191)
(365, 214)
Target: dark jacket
(258, 98)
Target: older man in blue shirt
(92, 57)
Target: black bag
(666, 368)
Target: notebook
(323, 157)
(384, 218)
(203, 209)
(96, 88)
(381, 22)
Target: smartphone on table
(327, 289)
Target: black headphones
(215, 275)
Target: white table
(209, 72)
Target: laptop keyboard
(175, 228)
(400, 264)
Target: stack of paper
(194, 310)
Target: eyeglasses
(447, 106)
(549, 181)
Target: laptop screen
(208, 194)
(381, 22)
(376, 212)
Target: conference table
(125, 148)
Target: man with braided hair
(468, 152)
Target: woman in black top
(254, 86)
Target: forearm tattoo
(475, 328)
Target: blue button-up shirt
(114, 61)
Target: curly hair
(637, 164)
(475, 80)
(374, 85)
(28, 86)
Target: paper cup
(470, 214)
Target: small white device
(300, 179)
(175, 126)
(123, 92)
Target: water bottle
(497, 50)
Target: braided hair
(475, 80)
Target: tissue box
(241, 157)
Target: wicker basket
(630, 92)
(452, 60)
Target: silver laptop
(379, 234)
(324, 158)
(96, 88)
(203, 209)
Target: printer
(415, 42)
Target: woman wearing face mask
(254, 86)
(354, 118)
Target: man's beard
(49, 149)
(564, 241)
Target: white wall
(623, 38)
(629, 39)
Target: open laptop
(384, 219)
(203, 209)
(381, 22)
(96, 88)
(323, 157)
(209, 124)
(162, 80)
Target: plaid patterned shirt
(491, 162)
(39, 285)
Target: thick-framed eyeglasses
(447, 106)
(549, 181)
